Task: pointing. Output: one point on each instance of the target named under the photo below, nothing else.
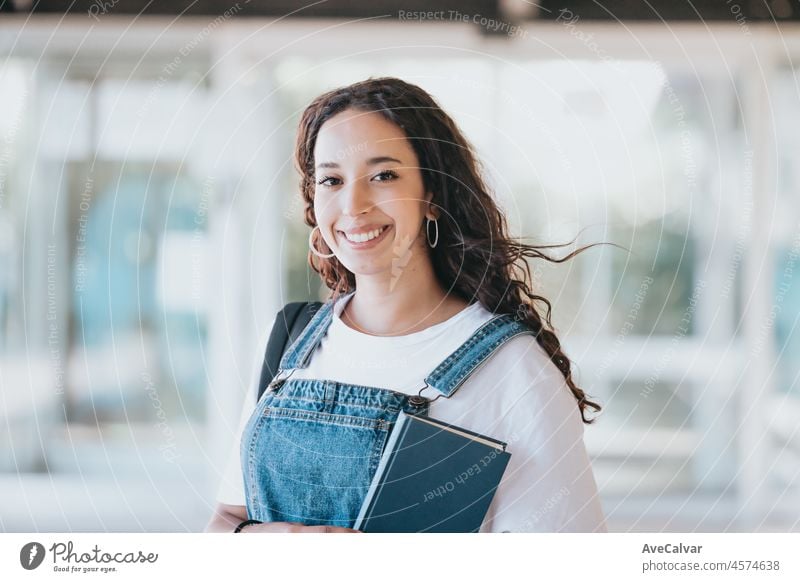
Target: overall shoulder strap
(448, 376)
(289, 323)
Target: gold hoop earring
(311, 245)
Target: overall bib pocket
(312, 466)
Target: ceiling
(442, 11)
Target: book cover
(432, 477)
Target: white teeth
(364, 236)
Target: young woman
(429, 297)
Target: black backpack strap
(289, 324)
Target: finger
(335, 529)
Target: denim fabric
(448, 376)
(311, 447)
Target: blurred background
(151, 227)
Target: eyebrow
(370, 162)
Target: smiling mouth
(364, 236)
(366, 239)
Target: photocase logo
(31, 555)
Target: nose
(356, 198)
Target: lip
(368, 244)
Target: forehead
(355, 135)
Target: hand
(293, 527)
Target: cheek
(324, 211)
(408, 215)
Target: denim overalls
(311, 447)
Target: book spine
(386, 462)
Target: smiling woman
(428, 292)
(369, 206)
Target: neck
(413, 302)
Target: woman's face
(368, 182)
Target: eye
(327, 181)
(385, 176)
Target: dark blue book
(432, 477)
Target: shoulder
(523, 358)
(520, 374)
(520, 358)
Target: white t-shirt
(519, 396)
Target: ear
(431, 212)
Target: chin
(366, 269)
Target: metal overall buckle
(418, 400)
(277, 381)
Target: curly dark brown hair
(475, 257)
